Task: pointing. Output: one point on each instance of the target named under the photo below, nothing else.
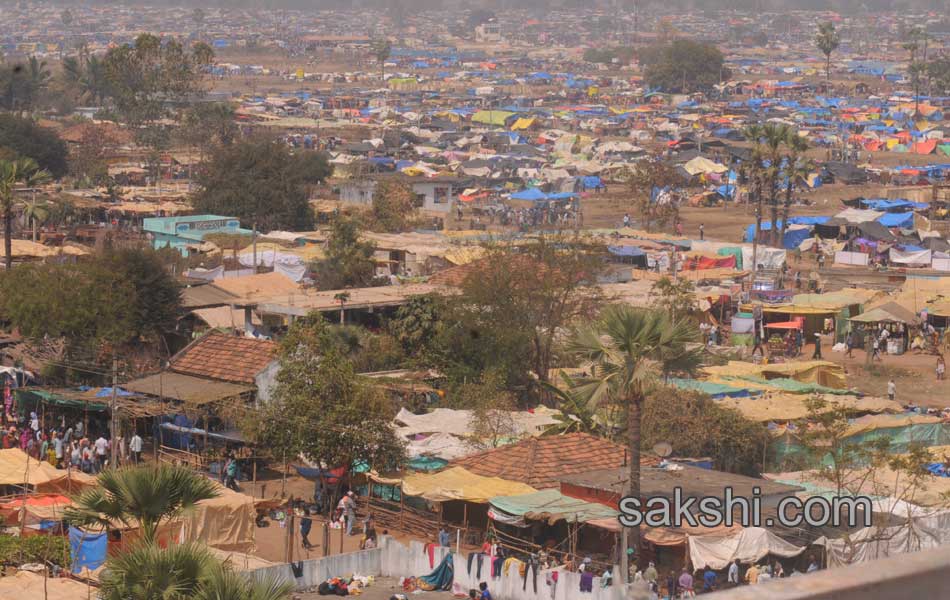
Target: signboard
(207, 225)
(851, 258)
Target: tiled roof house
(232, 359)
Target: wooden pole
(326, 538)
(289, 551)
(254, 476)
(342, 533)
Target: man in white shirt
(58, 448)
(732, 578)
(135, 446)
(102, 447)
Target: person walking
(102, 450)
(702, 232)
(135, 447)
(941, 367)
(306, 523)
(817, 354)
(891, 390)
(443, 537)
(231, 471)
(732, 577)
(849, 345)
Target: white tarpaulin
(742, 324)
(920, 258)
(703, 165)
(749, 545)
(768, 258)
(459, 422)
(857, 215)
(441, 445)
(851, 258)
(872, 543)
(940, 264)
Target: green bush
(17, 551)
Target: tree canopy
(827, 40)
(145, 75)
(260, 181)
(114, 298)
(349, 260)
(23, 138)
(683, 66)
(323, 408)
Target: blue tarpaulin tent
(88, 550)
(903, 220)
(533, 194)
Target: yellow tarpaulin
(17, 468)
(225, 522)
(821, 372)
(33, 586)
(459, 484)
(522, 123)
(792, 407)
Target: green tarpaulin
(37, 397)
(552, 506)
(737, 252)
(491, 117)
(716, 390)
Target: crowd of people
(69, 446)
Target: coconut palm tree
(796, 167)
(180, 572)
(628, 349)
(36, 211)
(21, 171)
(827, 40)
(342, 298)
(143, 496)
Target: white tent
(749, 545)
(871, 543)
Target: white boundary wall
(393, 559)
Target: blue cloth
(87, 549)
(442, 577)
(530, 194)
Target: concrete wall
(314, 572)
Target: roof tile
(225, 358)
(541, 462)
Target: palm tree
(774, 136)
(381, 49)
(13, 173)
(143, 496)
(796, 167)
(627, 349)
(36, 212)
(827, 40)
(180, 572)
(342, 298)
(576, 415)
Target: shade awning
(185, 388)
(458, 483)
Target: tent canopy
(552, 506)
(749, 545)
(458, 483)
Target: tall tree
(648, 180)
(628, 349)
(349, 259)
(797, 168)
(318, 390)
(529, 294)
(23, 138)
(381, 49)
(683, 66)
(827, 40)
(916, 67)
(261, 182)
(22, 84)
(144, 77)
(13, 173)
